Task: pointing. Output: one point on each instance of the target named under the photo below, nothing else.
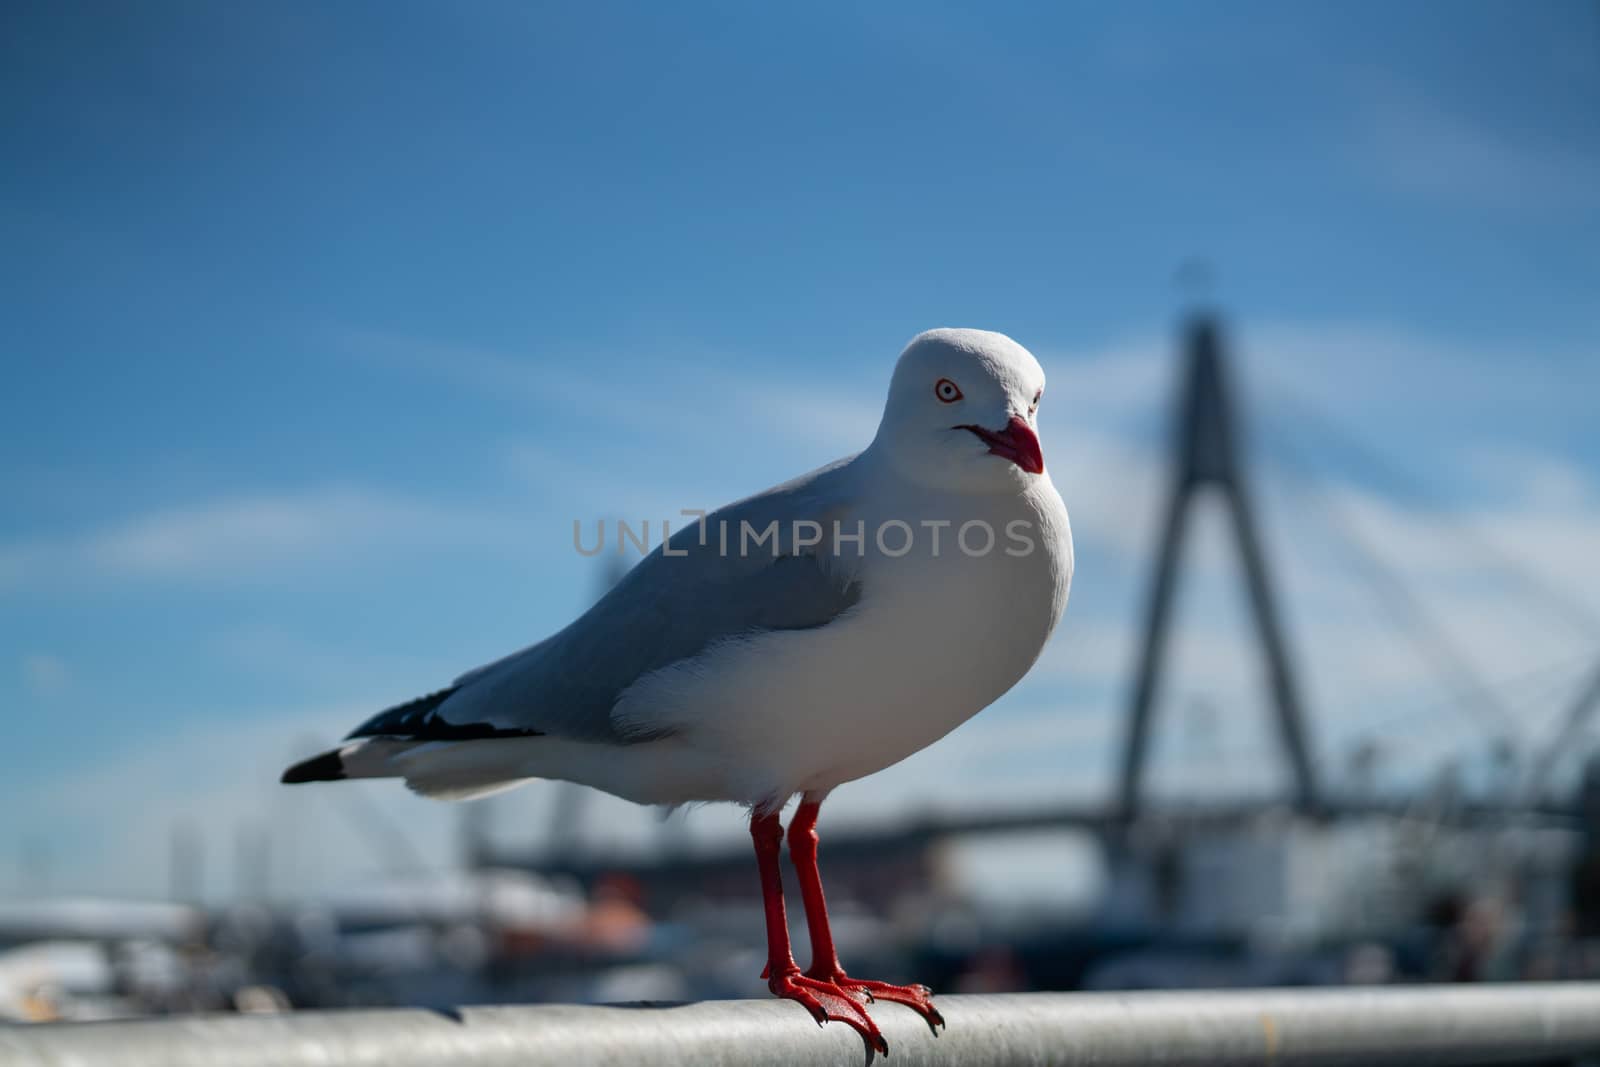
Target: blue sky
(324, 322)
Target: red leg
(822, 999)
(824, 957)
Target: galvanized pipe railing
(1425, 1025)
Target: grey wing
(666, 609)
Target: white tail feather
(463, 770)
(439, 787)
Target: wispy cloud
(1542, 482)
(45, 675)
(217, 782)
(472, 366)
(334, 666)
(1419, 146)
(698, 398)
(250, 534)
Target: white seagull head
(962, 412)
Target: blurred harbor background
(324, 326)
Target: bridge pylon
(1206, 455)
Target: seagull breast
(934, 639)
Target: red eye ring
(947, 391)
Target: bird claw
(919, 998)
(825, 1001)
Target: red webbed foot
(825, 1001)
(919, 998)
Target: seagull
(799, 639)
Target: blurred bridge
(875, 861)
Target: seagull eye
(947, 391)
(1037, 397)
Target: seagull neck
(879, 461)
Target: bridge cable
(1575, 612)
(1557, 601)
(1406, 612)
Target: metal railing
(1425, 1025)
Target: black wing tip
(416, 720)
(327, 767)
(402, 720)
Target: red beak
(1017, 442)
